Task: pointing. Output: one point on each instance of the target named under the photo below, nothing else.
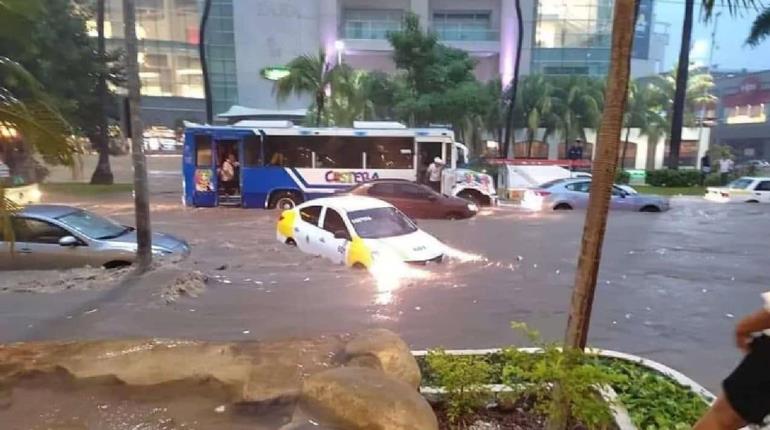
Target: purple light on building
(509, 31)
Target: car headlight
(472, 207)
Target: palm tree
(141, 193)
(677, 115)
(533, 107)
(349, 99)
(308, 75)
(103, 173)
(578, 106)
(645, 109)
(760, 29)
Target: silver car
(566, 194)
(60, 237)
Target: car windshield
(93, 225)
(740, 184)
(381, 222)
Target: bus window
(448, 151)
(252, 151)
(203, 151)
(288, 151)
(389, 152)
(338, 152)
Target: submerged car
(416, 200)
(357, 231)
(743, 190)
(566, 194)
(62, 237)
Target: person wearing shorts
(746, 392)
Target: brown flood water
(58, 402)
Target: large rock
(364, 399)
(251, 371)
(393, 354)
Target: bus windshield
(377, 223)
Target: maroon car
(415, 200)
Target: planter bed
(647, 395)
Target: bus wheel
(286, 200)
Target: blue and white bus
(282, 165)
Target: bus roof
(275, 128)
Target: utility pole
(141, 193)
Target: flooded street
(670, 288)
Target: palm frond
(41, 126)
(760, 29)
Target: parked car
(416, 200)
(745, 189)
(566, 194)
(357, 231)
(61, 237)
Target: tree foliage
(760, 29)
(62, 57)
(308, 74)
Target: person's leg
(721, 416)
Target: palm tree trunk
(677, 120)
(103, 173)
(625, 148)
(604, 167)
(319, 106)
(529, 145)
(141, 193)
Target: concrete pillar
(509, 31)
(422, 9)
(641, 153)
(553, 146)
(328, 27)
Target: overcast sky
(730, 53)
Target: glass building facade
(572, 37)
(220, 56)
(169, 61)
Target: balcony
(369, 29)
(460, 33)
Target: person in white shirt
(434, 174)
(725, 167)
(227, 174)
(746, 392)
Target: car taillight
(542, 193)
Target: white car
(746, 189)
(358, 232)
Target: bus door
(427, 151)
(251, 183)
(205, 174)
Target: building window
(464, 26)
(371, 23)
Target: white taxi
(746, 189)
(357, 231)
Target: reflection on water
(389, 275)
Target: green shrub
(673, 178)
(713, 180)
(555, 376)
(463, 377)
(622, 177)
(654, 401)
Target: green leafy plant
(654, 401)
(572, 374)
(673, 178)
(622, 177)
(463, 378)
